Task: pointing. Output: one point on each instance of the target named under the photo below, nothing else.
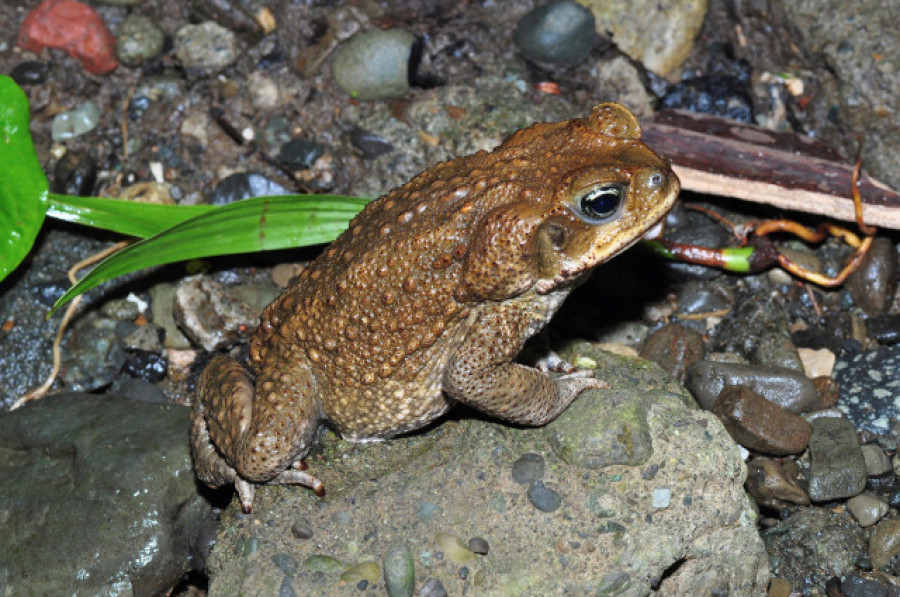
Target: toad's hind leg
(249, 437)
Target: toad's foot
(295, 476)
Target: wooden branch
(716, 156)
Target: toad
(428, 296)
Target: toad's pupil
(603, 201)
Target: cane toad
(426, 299)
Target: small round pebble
(432, 588)
(867, 508)
(560, 32)
(527, 468)
(375, 64)
(399, 571)
(542, 497)
(661, 497)
(74, 123)
(479, 545)
(884, 543)
(138, 40)
(761, 425)
(208, 47)
(877, 462)
(873, 283)
(302, 529)
(30, 72)
(244, 185)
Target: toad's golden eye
(599, 203)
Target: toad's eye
(601, 202)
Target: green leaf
(259, 224)
(23, 186)
(125, 217)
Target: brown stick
(717, 156)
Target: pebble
(30, 72)
(323, 563)
(884, 328)
(542, 497)
(837, 467)
(370, 144)
(399, 571)
(877, 462)
(300, 153)
(138, 40)
(453, 548)
(779, 587)
(75, 174)
(787, 388)
(375, 64)
(244, 185)
(867, 508)
(857, 586)
(162, 297)
(73, 27)
(661, 497)
(302, 529)
(527, 468)
(479, 545)
(873, 283)
(559, 32)
(674, 347)
(757, 329)
(207, 47)
(264, 91)
(760, 425)
(817, 363)
(723, 91)
(211, 314)
(368, 571)
(231, 14)
(870, 384)
(74, 123)
(768, 482)
(146, 337)
(147, 366)
(884, 543)
(828, 390)
(695, 298)
(93, 353)
(432, 588)
(286, 564)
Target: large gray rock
(98, 497)
(681, 516)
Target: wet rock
(93, 354)
(620, 436)
(73, 27)
(479, 545)
(75, 174)
(74, 123)
(138, 390)
(779, 587)
(29, 72)
(757, 329)
(674, 347)
(302, 529)
(884, 543)
(216, 316)
(870, 383)
(559, 32)
(300, 153)
(788, 389)
(663, 38)
(813, 545)
(877, 462)
(399, 571)
(722, 90)
(207, 47)
(837, 467)
(697, 298)
(162, 302)
(867, 508)
(148, 366)
(857, 586)
(244, 185)
(105, 488)
(873, 284)
(769, 483)
(139, 39)
(828, 390)
(375, 64)
(760, 425)
(884, 328)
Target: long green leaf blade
(259, 224)
(130, 218)
(23, 186)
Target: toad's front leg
(251, 436)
